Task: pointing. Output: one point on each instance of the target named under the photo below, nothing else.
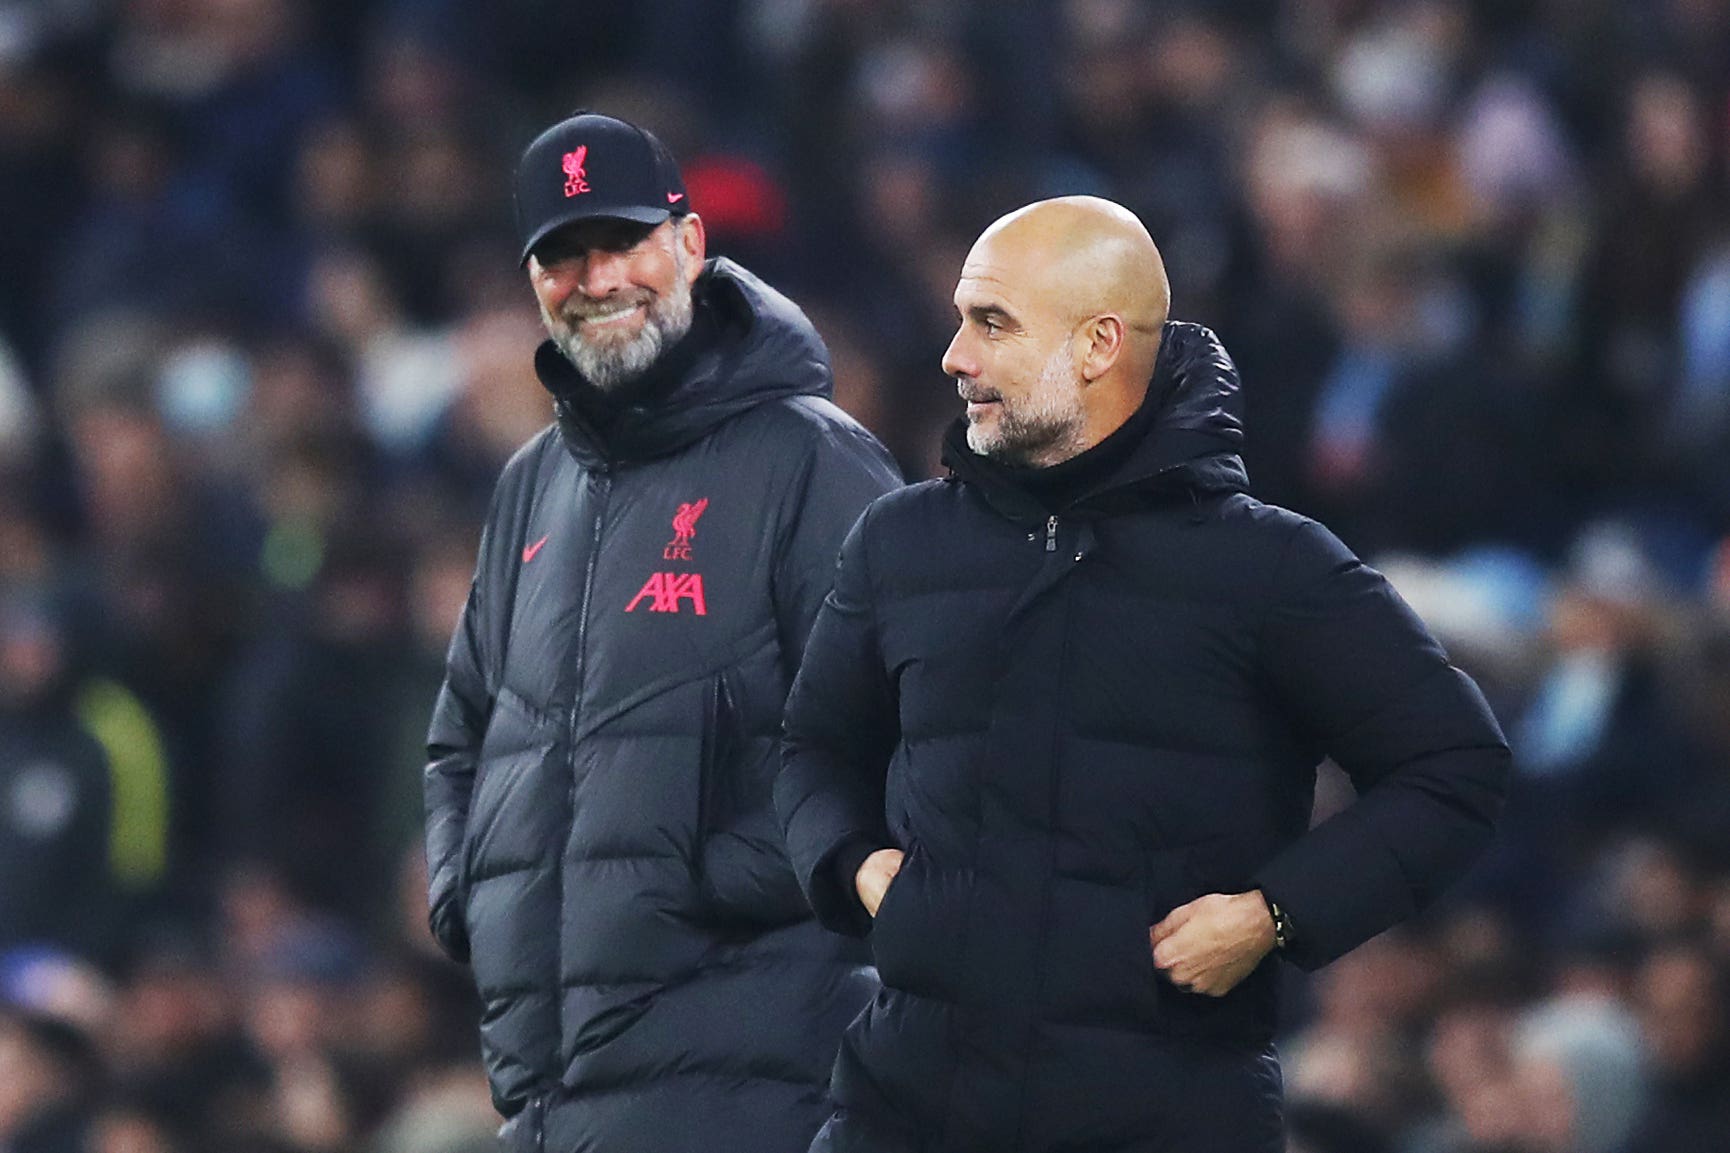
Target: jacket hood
(1191, 445)
(757, 347)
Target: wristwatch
(1282, 926)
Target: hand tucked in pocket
(875, 875)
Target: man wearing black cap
(600, 836)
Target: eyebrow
(612, 236)
(980, 313)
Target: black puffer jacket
(600, 834)
(1074, 724)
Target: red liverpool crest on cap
(574, 179)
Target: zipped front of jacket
(600, 481)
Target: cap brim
(633, 212)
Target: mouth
(612, 318)
(978, 400)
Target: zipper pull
(1051, 535)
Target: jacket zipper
(605, 488)
(1051, 535)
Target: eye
(558, 251)
(992, 327)
(624, 237)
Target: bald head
(1074, 291)
(1081, 257)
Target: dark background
(263, 347)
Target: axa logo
(575, 180)
(666, 590)
(684, 530)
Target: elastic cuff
(846, 862)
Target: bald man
(1053, 745)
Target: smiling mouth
(606, 319)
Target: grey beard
(1028, 446)
(606, 368)
(1043, 429)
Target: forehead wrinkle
(987, 288)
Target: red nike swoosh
(531, 550)
(675, 197)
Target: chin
(612, 339)
(983, 439)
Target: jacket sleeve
(459, 724)
(849, 471)
(745, 868)
(841, 727)
(1361, 675)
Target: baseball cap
(591, 165)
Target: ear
(695, 241)
(1103, 340)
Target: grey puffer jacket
(600, 834)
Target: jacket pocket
(899, 948)
(1176, 877)
(713, 779)
(1095, 954)
(712, 802)
(448, 922)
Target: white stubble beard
(1045, 428)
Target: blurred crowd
(263, 347)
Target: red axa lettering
(665, 590)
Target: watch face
(1281, 926)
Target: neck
(1068, 447)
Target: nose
(603, 273)
(957, 360)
